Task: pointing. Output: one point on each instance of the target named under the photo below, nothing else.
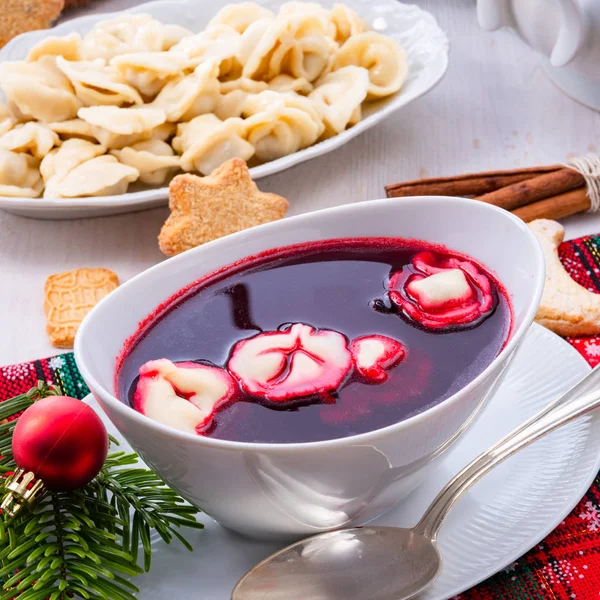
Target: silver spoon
(390, 563)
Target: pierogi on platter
(145, 99)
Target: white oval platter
(415, 29)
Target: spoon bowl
(345, 564)
(390, 563)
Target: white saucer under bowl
(504, 515)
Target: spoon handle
(576, 402)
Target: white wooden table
(495, 109)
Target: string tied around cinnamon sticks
(589, 168)
(551, 192)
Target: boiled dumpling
(155, 160)
(312, 56)
(220, 43)
(265, 49)
(256, 103)
(98, 85)
(206, 142)
(117, 127)
(124, 34)
(288, 83)
(277, 129)
(61, 161)
(114, 141)
(347, 23)
(73, 128)
(240, 16)
(38, 90)
(148, 72)
(269, 48)
(123, 120)
(30, 137)
(164, 132)
(307, 18)
(7, 121)
(339, 96)
(313, 32)
(67, 46)
(173, 34)
(231, 104)
(382, 56)
(245, 84)
(19, 175)
(234, 94)
(100, 176)
(191, 95)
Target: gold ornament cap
(19, 493)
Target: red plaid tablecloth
(565, 566)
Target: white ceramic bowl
(414, 28)
(286, 490)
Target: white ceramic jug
(565, 32)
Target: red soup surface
(316, 341)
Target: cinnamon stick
(556, 207)
(534, 189)
(474, 184)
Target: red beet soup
(316, 341)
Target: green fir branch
(85, 543)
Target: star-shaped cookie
(18, 16)
(207, 208)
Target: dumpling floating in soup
(304, 347)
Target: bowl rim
(517, 334)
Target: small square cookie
(69, 296)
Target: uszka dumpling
(30, 137)
(191, 95)
(280, 124)
(240, 16)
(38, 90)
(206, 142)
(98, 85)
(73, 128)
(347, 23)
(19, 175)
(234, 94)
(382, 56)
(230, 105)
(339, 96)
(264, 49)
(57, 163)
(269, 48)
(148, 72)
(244, 83)
(155, 160)
(7, 121)
(67, 46)
(220, 43)
(173, 34)
(100, 176)
(288, 83)
(311, 56)
(127, 33)
(307, 18)
(72, 153)
(164, 132)
(116, 127)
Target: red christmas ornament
(62, 441)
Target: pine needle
(85, 543)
